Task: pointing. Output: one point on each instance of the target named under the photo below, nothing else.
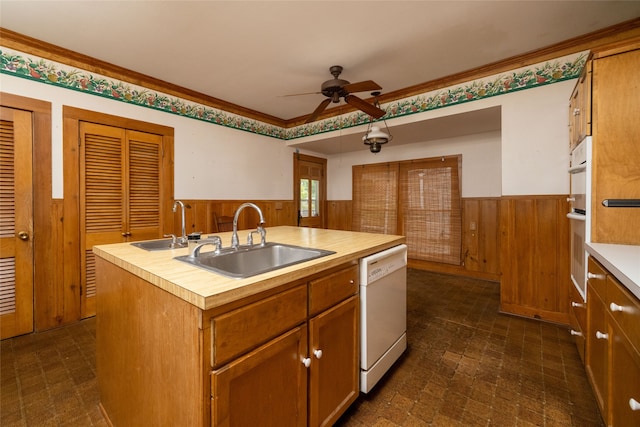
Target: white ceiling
(252, 53)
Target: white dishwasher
(383, 313)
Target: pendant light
(374, 137)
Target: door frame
(44, 206)
(297, 157)
(71, 157)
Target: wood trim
(46, 220)
(322, 162)
(592, 41)
(73, 252)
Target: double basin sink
(245, 261)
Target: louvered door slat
(7, 180)
(144, 184)
(103, 201)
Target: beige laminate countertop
(207, 290)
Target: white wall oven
(579, 215)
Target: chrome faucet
(213, 240)
(234, 237)
(182, 239)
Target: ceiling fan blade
(318, 110)
(300, 94)
(367, 85)
(371, 110)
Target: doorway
(310, 190)
(25, 208)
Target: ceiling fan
(336, 88)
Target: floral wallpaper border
(19, 64)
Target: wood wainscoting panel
(535, 257)
(481, 235)
(199, 214)
(339, 214)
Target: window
(419, 199)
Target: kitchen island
(179, 345)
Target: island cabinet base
(148, 353)
(287, 356)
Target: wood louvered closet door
(16, 223)
(121, 179)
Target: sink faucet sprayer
(263, 233)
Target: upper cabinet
(605, 105)
(580, 108)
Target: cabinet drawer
(328, 291)
(625, 310)
(597, 278)
(578, 319)
(247, 327)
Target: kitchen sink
(158, 245)
(249, 261)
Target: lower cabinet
(578, 320)
(613, 347)
(307, 374)
(335, 364)
(598, 336)
(267, 387)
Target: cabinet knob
(571, 199)
(576, 304)
(576, 111)
(351, 282)
(615, 307)
(576, 333)
(601, 336)
(317, 354)
(634, 404)
(591, 275)
(126, 234)
(23, 235)
(306, 362)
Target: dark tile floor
(467, 365)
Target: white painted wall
(480, 163)
(529, 156)
(211, 161)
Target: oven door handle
(579, 217)
(579, 168)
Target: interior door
(16, 223)
(120, 193)
(310, 190)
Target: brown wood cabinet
(580, 108)
(578, 320)
(288, 356)
(616, 138)
(613, 347)
(273, 384)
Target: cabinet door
(597, 348)
(625, 382)
(334, 346)
(267, 387)
(615, 148)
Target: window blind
(420, 199)
(375, 198)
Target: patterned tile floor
(467, 365)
